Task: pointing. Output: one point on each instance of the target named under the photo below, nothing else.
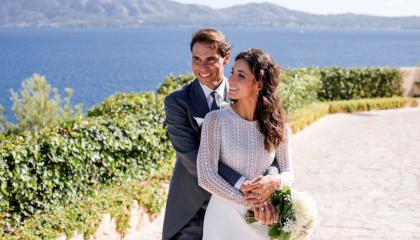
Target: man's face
(208, 65)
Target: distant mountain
(137, 13)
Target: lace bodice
(227, 137)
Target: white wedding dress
(239, 144)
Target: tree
(39, 105)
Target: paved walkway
(363, 169)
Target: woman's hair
(270, 115)
(213, 37)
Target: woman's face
(242, 83)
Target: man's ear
(226, 58)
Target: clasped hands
(257, 193)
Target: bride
(247, 136)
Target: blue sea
(99, 62)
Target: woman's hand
(258, 191)
(266, 215)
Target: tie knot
(213, 95)
(214, 105)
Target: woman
(247, 136)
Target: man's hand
(244, 185)
(258, 191)
(266, 215)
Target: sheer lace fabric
(227, 137)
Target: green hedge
(354, 83)
(171, 83)
(299, 87)
(312, 112)
(54, 166)
(359, 105)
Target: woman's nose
(231, 78)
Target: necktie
(214, 105)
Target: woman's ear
(260, 85)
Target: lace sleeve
(208, 158)
(284, 160)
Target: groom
(185, 110)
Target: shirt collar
(220, 89)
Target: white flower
(305, 211)
(225, 104)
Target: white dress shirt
(220, 93)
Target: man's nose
(203, 65)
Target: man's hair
(214, 37)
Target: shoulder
(179, 94)
(216, 116)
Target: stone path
(363, 169)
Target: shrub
(171, 83)
(367, 104)
(306, 115)
(55, 165)
(299, 87)
(345, 84)
(310, 113)
(39, 105)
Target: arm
(284, 160)
(259, 190)
(208, 159)
(231, 176)
(182, 136)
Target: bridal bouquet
(297, 215)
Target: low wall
(107, 229)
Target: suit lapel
(199, 107)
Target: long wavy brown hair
(271, 118)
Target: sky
(371, 7)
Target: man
(185, 110)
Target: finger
(262, 203)
(257, 214)
(251, 187)
(257, 179)
(254, 202)
(275, 215)
(251, 196)
(268, 216)
(262, 215)
(264, 197)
